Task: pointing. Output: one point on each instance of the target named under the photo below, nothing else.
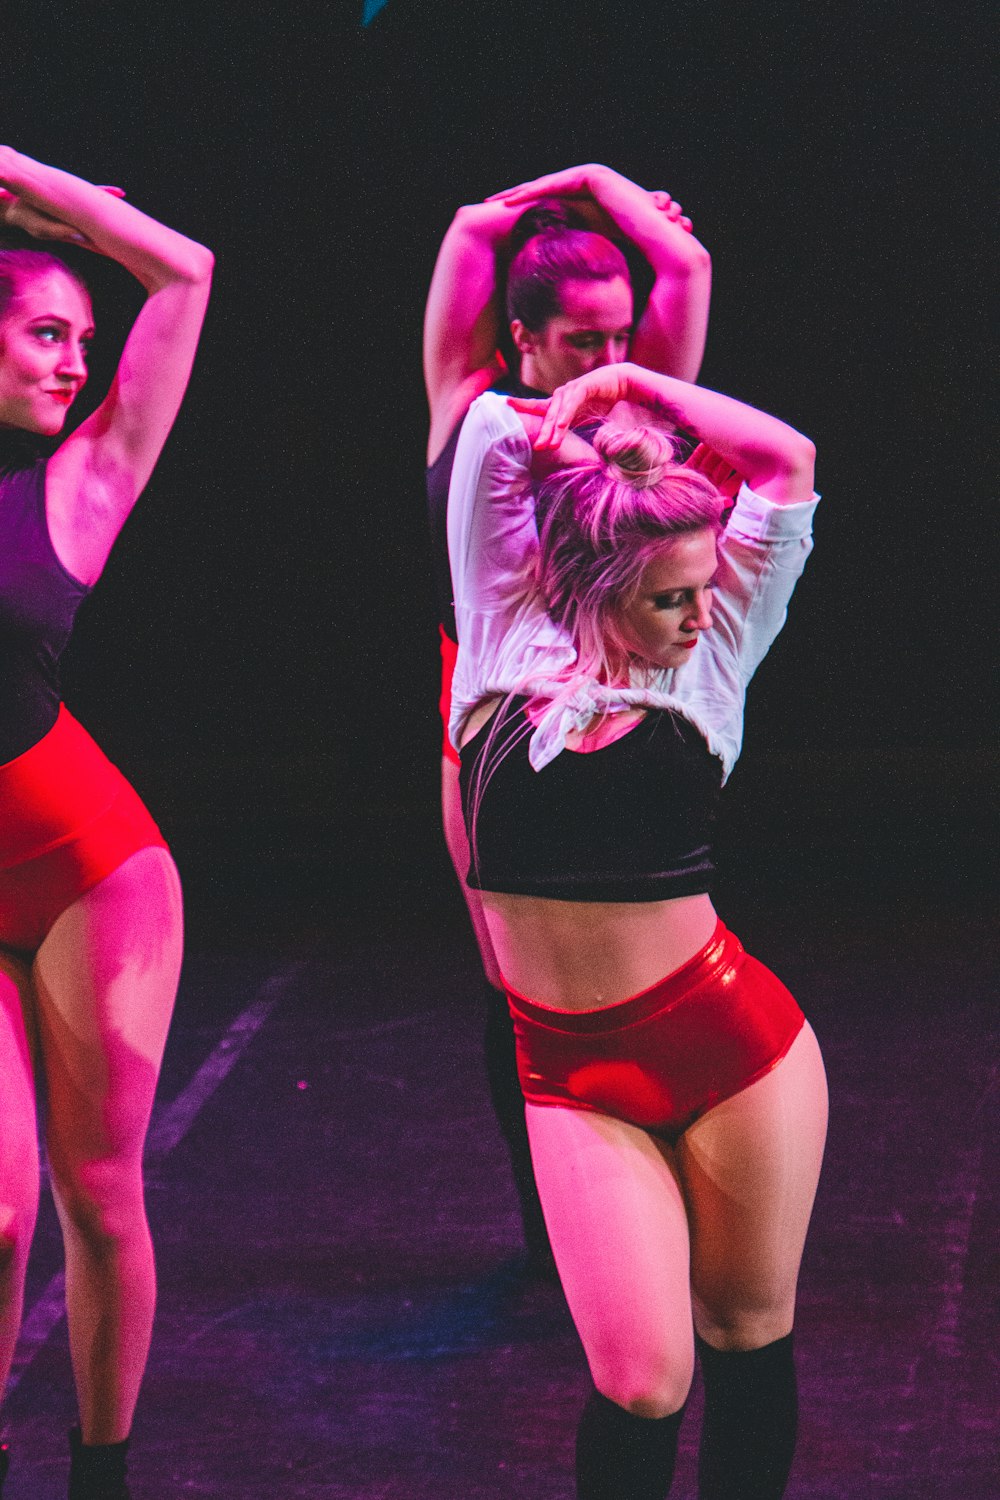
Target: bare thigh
(617, 1221)
(750, 1168)
(105, 979)
(18, 1130)
(458, 847)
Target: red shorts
(665, 1056)
(449, 655)
(68, 818)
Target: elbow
(185, 264)
(785, 472)
(687, 262)
(698, 261)
(198, 263)
(798, 464)
(467, 222)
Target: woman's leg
(750, 1169)
(18, 1151)
(498, 1036)
(105, 979)
(618, 1226)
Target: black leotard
(38, 604)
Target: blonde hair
(601, 523)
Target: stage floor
(343, 1312)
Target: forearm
(150, 251)
(774, 458)
(669, 248)
(670, 335)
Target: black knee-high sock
(622, 1457)
(751, 1419)
(508, 1105)
(97, 1472)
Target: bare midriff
(581, 955)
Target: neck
(529, 374)
(18, 448)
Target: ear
(525, 341)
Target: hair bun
(638, 456)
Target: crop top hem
(666, 886)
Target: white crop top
(507, 641)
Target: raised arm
(670, 335)
(97, 475)
(462, 320)
(775, 460)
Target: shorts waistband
(54, 788)
(722, 951)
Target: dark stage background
(261, 654)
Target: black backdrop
(261, 652)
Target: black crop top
(632, 821)
(38, 604)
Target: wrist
(10, 161)
(487, 223)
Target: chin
(49, 428)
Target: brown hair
(548, 260)
(18, 265)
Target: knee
(656, 1388)
(18, 1198)
(745, 1328)
(101, 1204)
(17, 1225)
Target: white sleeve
(761, 557)
(492, 536)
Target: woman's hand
(595, 393)
(18, 214)
(573, 451)
(704, 460)
(571, 182)
(671, 210)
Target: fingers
(563, 408)
(557, 184)
(671, 210)
(41, 226)
(719, 471)
(522, 192)
(535, 406)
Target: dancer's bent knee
(653, 1395)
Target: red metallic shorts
(449, 655)
(665, 1056)
(68, 818)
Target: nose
(74, 361)
(700, 617)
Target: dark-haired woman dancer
(90, 905)
(569, 308)
(676, 1098)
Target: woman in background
(543, 261)
(90, 903)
